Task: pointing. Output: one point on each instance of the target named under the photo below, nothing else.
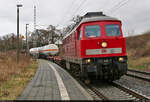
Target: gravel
(139, 74)
(111, 92)
(138, 85)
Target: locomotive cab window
(92, 31)
(80, 35)
(112, 30)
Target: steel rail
(139, 76)
(131, 92)
(135, 76)
(142, 72)
(98, 93)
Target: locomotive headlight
(104, 44)
(121, 59)
(88, 60)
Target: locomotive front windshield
(92, 31)
(112, 30)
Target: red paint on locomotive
(76, 48)
(97, 46)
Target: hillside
(138, 49)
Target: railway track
(111, 91)
(125, 93)
(139, 74)
(131, 92)
(98, 93)
(122, 93)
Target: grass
(140, 63)
(13, 87)
(138, 49)
(8, 65)
(14, 77)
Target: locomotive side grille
(103, 51)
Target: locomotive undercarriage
(105, 68)
(110, 68)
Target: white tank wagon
(48, 50)
(41, 54)
(31, 51)
(40, 49)
(34, 52)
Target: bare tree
(8, 42)
(75, 21)
(48, 36)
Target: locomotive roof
(91, 19)
(100, 18)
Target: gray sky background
(135, 14)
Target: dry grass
(138, 49)
(8, 65)
(14, 77)
(12, 88)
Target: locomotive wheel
(77, 71)
(80, 75)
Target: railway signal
(22, 37)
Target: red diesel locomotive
(96, 47)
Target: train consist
(96, 47)
(44, 51)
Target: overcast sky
(135, 14)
